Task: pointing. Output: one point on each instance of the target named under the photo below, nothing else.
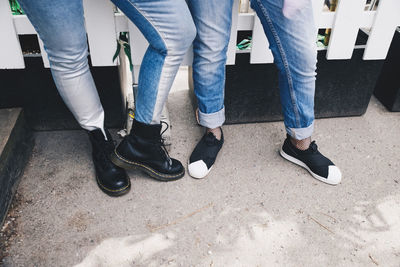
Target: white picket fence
(103, 26)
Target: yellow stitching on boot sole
(111, 190)
(144, 166)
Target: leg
(169, 29)
(292, 42)
(170, 35)
(60, 24)
(213, 21)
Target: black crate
(343, 88)
(387, 89)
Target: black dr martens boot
(110, 178)
(143, 149)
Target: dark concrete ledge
(16, 143)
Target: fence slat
(103, 27)
(349, 14)
(317, 10)
(260, 52)
(368, 19)
(23, 25)
(10, 49)
(45, 58)
(245, 21)
(384, 27)
(231, 53)
(100, 27)
(138, 44)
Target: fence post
(45, 58)
(387, 19)
(345, 29)
(231, 53)
(100, 27)
(260, 53)
(10, 49)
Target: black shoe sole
(114, 193)
(127, 164)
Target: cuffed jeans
(213, 23)
(293, 43)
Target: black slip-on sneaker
(319, 166)
(204, 155)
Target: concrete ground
(254, 209)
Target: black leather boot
(143, 149)
(110, 178)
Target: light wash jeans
(293, 43)
(60, 24)
(175, 24)
(213, 22)
(170, 29)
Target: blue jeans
(213, 23)
(168, 27)
(175, 31)
(293, 44)
(60, 24)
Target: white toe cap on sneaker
(198, 169)
(334, 175)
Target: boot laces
(106, 148)
(161, 144)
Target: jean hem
(212, 120)
(301, 133)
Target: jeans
(60, 24)
(213, 23)
(169, 28)
(293, 43)
(175, 25)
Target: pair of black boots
(142, 149)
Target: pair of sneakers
(319, 166)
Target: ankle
(302, 144)
(216, 132)
(146, 131)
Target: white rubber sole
(302, 164)
(196, 174)
(192, 172)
